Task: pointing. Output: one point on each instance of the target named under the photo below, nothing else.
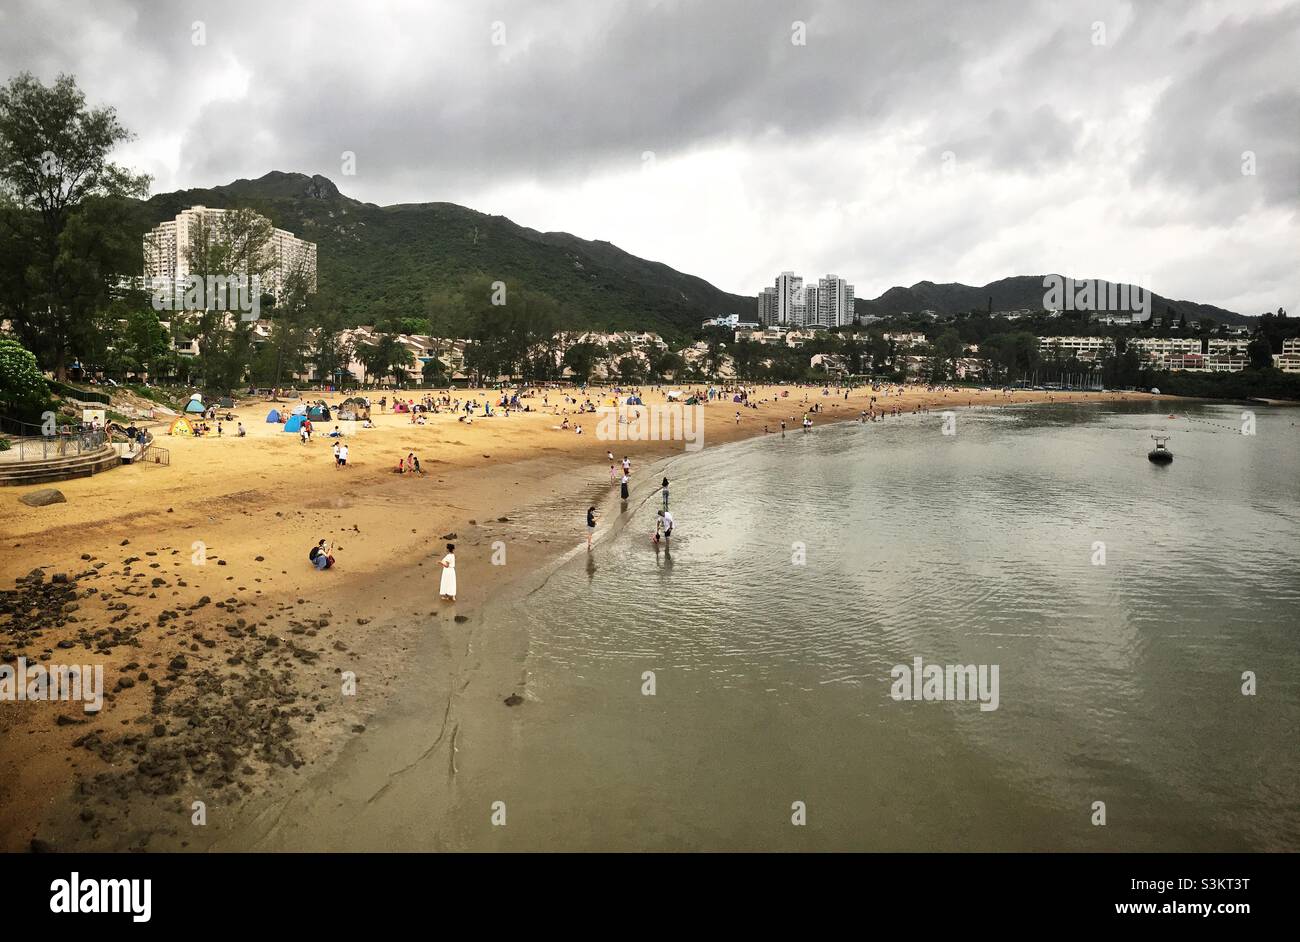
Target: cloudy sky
(887, 142)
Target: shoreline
(271, 720)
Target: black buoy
(1160, 454)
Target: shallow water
(1119, 682)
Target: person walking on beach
(664, 490)
(623, 487)
(343, 456)
(336, 456)
(627, 466)
(613, 474)
(447, 588)
(591, 525)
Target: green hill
(385, 262)
(1010, 294)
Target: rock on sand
(44, 497)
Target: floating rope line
(1236, 430)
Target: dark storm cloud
(1145, 128)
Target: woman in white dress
(448, 587)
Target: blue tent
(273, 416)
(294, 423)
(634, 401)
(194, 405)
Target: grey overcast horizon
(1154, 142)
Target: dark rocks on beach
(39, 846)
(461, 619)
(514, 700)
(43, 497)
(124, 543)
(448, 536)
(503, 519)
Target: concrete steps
(23, 473)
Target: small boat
(1160, 454)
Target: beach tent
(226, 403)
(181, 427)
(299, 409)
(674, 395)
(319, 413)
(273, 416)
(194, 405)
(634, 401)
(693, 401)
(294, 423)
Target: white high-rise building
(789, 293)
(166, 251)
(810, 308)
(767, 307)
(834, 302)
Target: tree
(630, 369)
(947, 348)
(434, 372)
(145, 340)
(1260, 352)
(581, 359)
(66, 225)
(23, 393)
(386, 357)
(225, 250)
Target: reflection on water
(1121, 600)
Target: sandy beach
(226, 655)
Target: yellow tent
(181, 427)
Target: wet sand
(225, 663)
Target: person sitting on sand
(322, 555)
